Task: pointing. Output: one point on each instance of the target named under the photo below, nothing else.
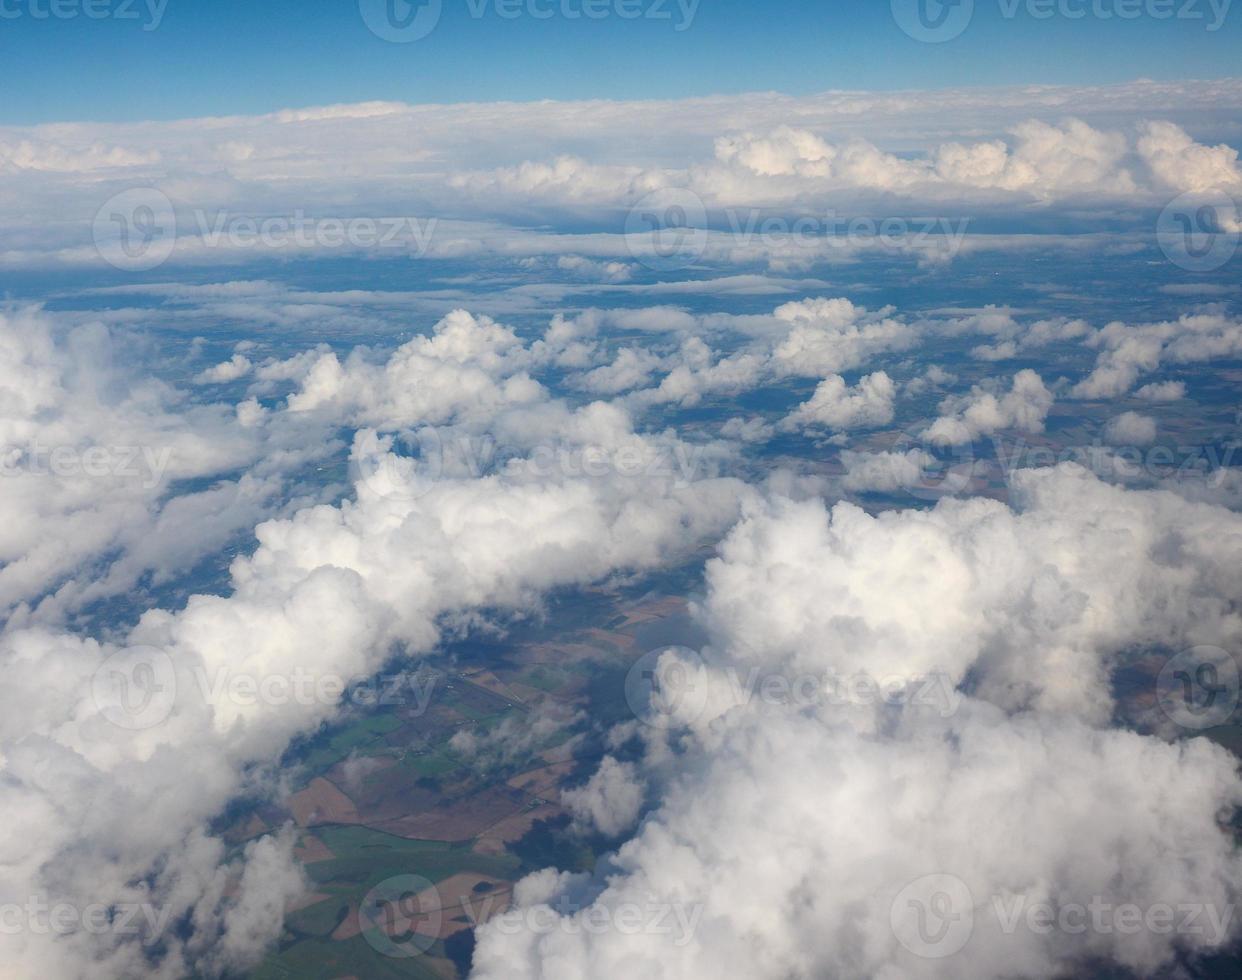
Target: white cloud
(329, 590)
(836, 406)
(1162, 391)
(788, 834)
(1131, 429)
(1128, 351)
(966, 417)
(831, 335)
(610, 800)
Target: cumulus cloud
(610, 800)
(826, 336)
(1128, 351)
(837, 406)
(114, 812)
(883, 472)
(238, 366)
(1182, 164)
(92, 451)
(797, 837)
(505, 191)
(966, 417)
(1162, 391)
(1131, 429)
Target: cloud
(966, 417)
(793, 835)
(1182, 164)
(93, 450)
(556, 181)
(1131, 429)
(831, 335)
(1162, 391)
(610, 800)
(835, 406)
(883, 472)
(1128, 351)
(113, 812)
(238, 366)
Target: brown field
(490, 682)
(515, 826)
(446, 908)
(247, 829)
(311, 849)
(460, 820)
(544, 781)
(322, 802)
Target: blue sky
(231, 56)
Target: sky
(163, 59)
(893, 350)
